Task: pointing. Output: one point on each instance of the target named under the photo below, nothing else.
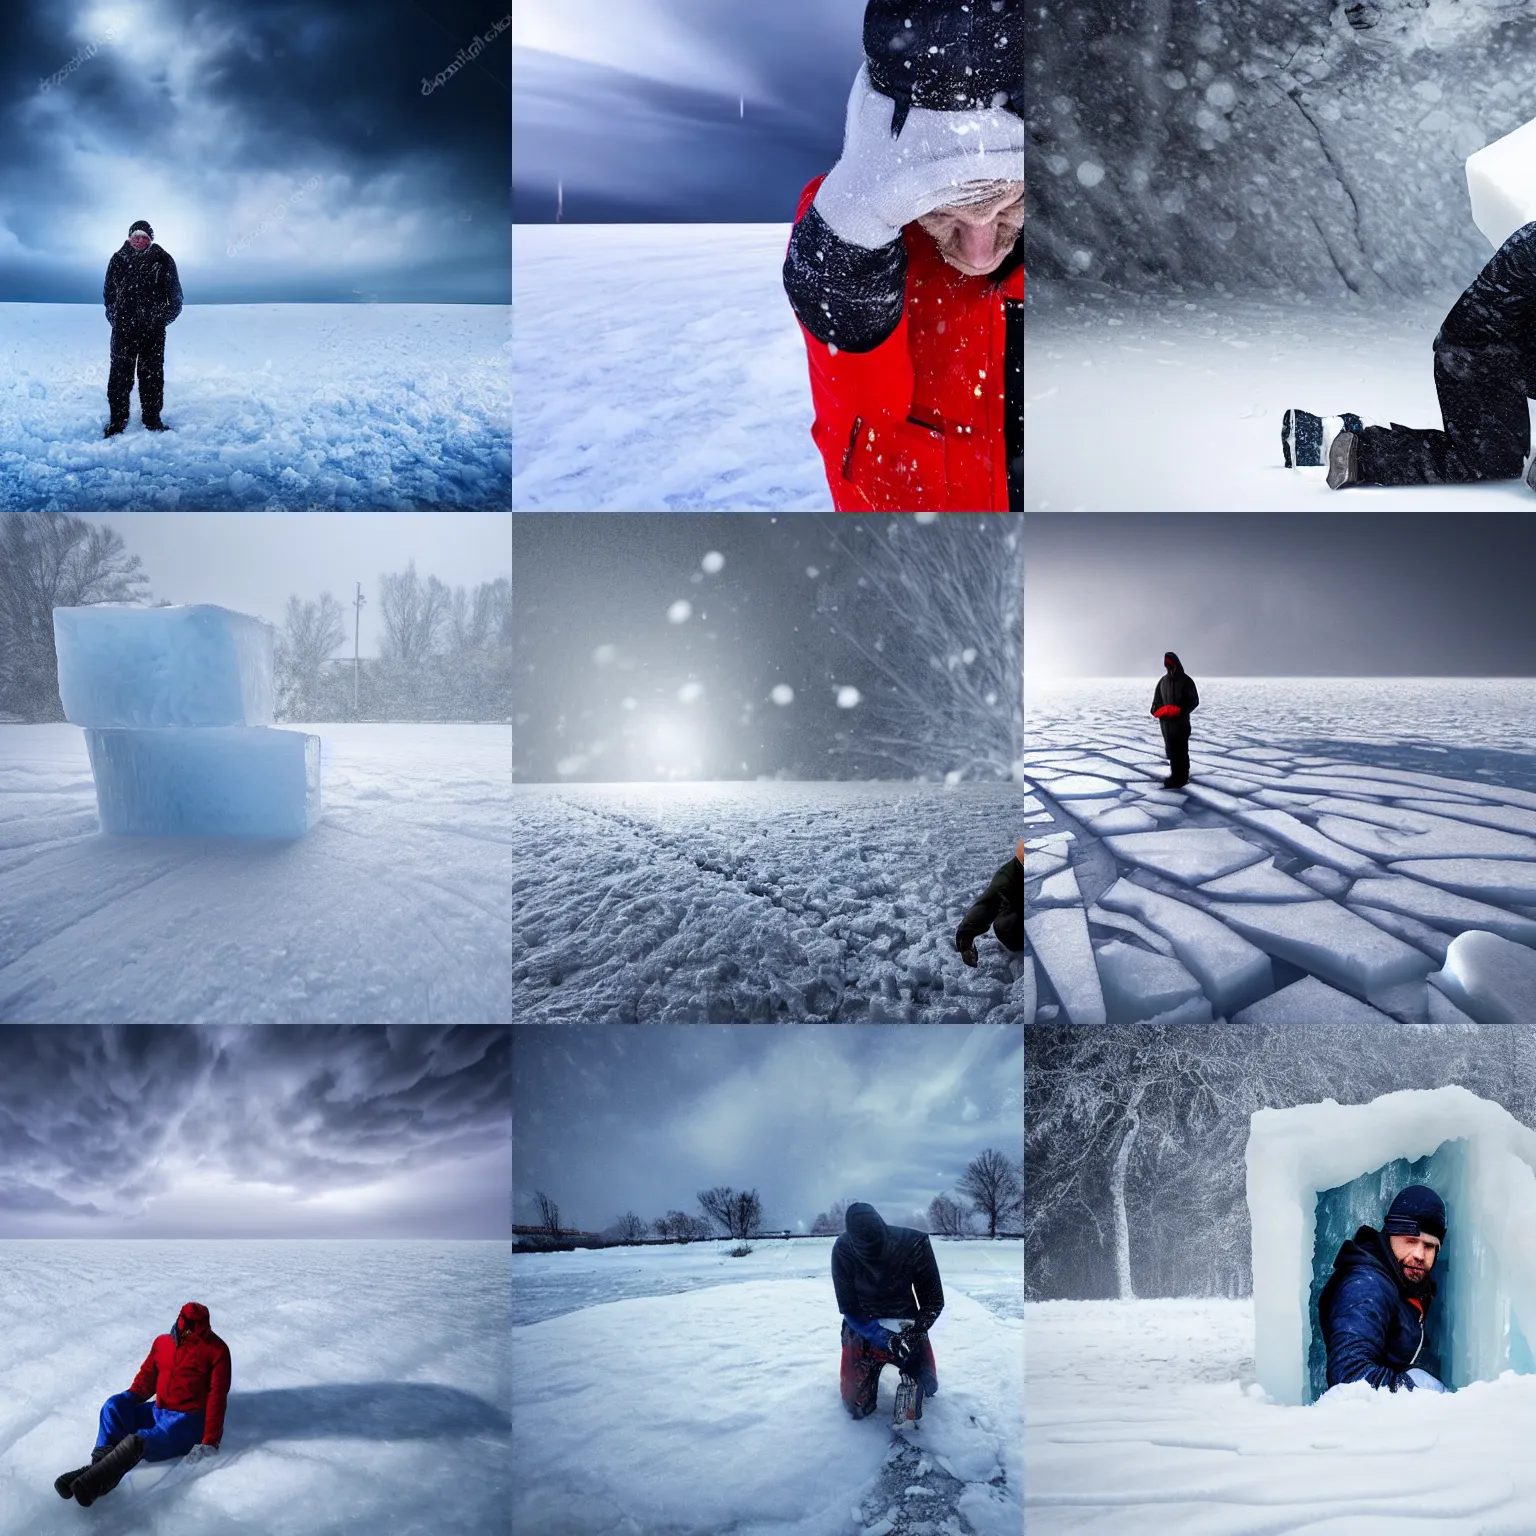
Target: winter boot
(909, 1403)
(154, 424)
(64, 1485)
(1304, 438)
(107, 1473)
(1344, 461)
(113, 428)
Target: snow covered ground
(718, 1410)
(273, 407)
(730, 902)
(1174, 404)
(1144, 1416)
(341, 1421)
(394, 908)
(1321, 867)
(658, 368)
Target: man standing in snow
(187, 1374)
(906, 266)
(1376, 1302)
(1000, 907)
(142, 293)
(1174, 699)
(883, 1275)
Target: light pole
(357, 620)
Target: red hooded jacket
(187, 1371)
(919, 424)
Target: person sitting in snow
(883, 1275)
(187, 1375)
(906, 266)
(142, 293)
(1174, 699)
(1000, 907)
(1375, 1305)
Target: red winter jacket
(187, 1371)
(920, 423)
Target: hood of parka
(191, 1322)
(865, 1230)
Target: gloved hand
(199, 1453)
(907, 1347)
(882, 183)
(1166, 711)
(965, 942)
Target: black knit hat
(946, 55)
(1418, 1211)
(141, 224)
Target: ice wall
(1317, 1168)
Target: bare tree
(549, 1213)
(830, 1222)
(628, 1228)
(739, 1212)
(680, 1227)
(414, 613)
(947, 1217)
(992, 1184)
(310, 632)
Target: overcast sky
(1280, 595)
(247, 1133)
(611, 1118)
(295, 134)
(677, 110)
(252, 561)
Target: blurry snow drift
(1501, 180)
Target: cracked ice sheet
(1142, 1418)
(394, 909)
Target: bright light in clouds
(672, 748)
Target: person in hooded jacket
(1174, 699)
(142, 294)
(905, 268)
(884, 1273)
(1000, 907)
(1374, 1309)
(187, 1375)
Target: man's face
(138, 240)
(974, 238)
(1415, 1255)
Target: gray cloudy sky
(609, 1118)
(252, 561)
(250, 1133)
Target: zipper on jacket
(853, 443)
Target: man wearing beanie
(1375, 1307)
(142, 294)
(1000, 907)
(906, 266)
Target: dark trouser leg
(1009, 929)
(1176, 744)
(152, 374)
(1487, 432)
(859, 1374)
(125, 356)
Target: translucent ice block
(123, 666)
(1501, 179)
(213, 781)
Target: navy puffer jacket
(885, 1271)
(1373, 1330)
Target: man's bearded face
(975, 237)
(1415, 1255)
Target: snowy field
(273, 407)
(1189, 394)
(341, 1421)
(1321, 866)
(695, 1394)
(393, 908)
(734, 902)
(1144, 1416)
(658, 368)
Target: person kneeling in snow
(906, 267)
(1374, 1307)
(883, 1275)
(187, 1374)
(1000, 907)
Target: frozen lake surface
(732, 902)
(1188, 392)
(394, 908)
(1323, 865)
(341, 1421)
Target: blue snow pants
(165, 1434)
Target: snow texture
(395, 908)
(767, 901)
(1486, 1273)
(1489, 978)
(1501, 181)
(341, 1422)
(272, 407)
(728, 1417)
(659, 368)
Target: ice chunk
(1217, 799)
(1501, 181)
(1139, 985)
(1512, 818)
(1327, 882)
(1107, 919)
(1259, 882)
(1060, 890)
(1440, 908)
(1310, 1001)
(1409, 929)
(1059, 938)
(1189, 854)
(1502, 880)
(214, 781)
(1124, 818)
(1285, 828)
(1491, 979)
(121, 666)
(1415, 835)
(1082, 786)
(1230, 970)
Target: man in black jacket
(883, 1275)
(1173, 700)
(1000, 907)
(142, 294)
(1375, 1306)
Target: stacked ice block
(177, 709)
(1501, 180)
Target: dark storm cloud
(298, 134)
(403, 1131)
